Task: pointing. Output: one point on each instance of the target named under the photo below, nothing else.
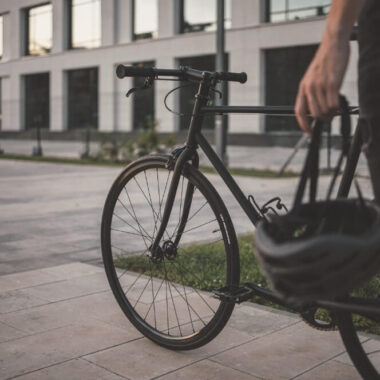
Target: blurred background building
(58, 59)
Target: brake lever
(147, 84)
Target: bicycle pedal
(233, 293)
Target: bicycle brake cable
(169, 93)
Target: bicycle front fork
(178, 161)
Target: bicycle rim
(169, 299)
(363, 349)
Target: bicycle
(150, 264)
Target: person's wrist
(336, 35)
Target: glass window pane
(146, 19)
(143, 101)
(281, 10)
(37, 109)
(83, 98)
(1, 36)
(284, 68)
(85, 23)
(200, 15)
(40, 24)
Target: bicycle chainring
(308, 317)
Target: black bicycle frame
(188, 153)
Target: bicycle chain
(309, 318)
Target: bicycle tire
(368, 368)
(202, 324)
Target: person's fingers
(332, 97)
(312, 102)
(301, 110)
(321, 98)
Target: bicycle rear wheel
(168, 298)
(364, 350)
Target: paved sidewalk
(63, 323)
(239, 156)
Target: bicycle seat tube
(201, 100)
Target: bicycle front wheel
(168, 298)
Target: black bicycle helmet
(320, 249)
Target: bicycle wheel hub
(170, 250)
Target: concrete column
(109, 21)
(6, 104)
(57, 101)
(246, 59)
(7, 37)
(247, 12)
(167, 18)
(18, 32)
(123, 105)
(124, 21)
(14, 102)
(106, 98)
(166, 120)
(60, 25)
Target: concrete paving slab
(258, 321)
(25, 279)
(17, 300)
(371, 347)
(41, 350)
(284, 354)
(207, 370)
(148, 360)
(89, 336)
(9, 333)
(331, 370)
(77, 369)
(76, 287)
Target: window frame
(133, 23)
(287, 10)
(26, 51)
(69, 34)
(181, 18)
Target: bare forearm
(319, 88)
(341, 18)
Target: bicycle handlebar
(183, 73)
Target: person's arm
(318, 92)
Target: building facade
(58, 59)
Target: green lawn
(198, 257)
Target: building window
(39, 24)
(145, 19)
(82, 98)
(37, 110)
(200, 15)
(284, 68)
(1, 36)
(85, 28)
(143, 102)
(186, 94)
(287, 10)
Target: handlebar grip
(133, 71)
(233, 77)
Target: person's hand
(318, 92)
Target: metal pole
(221, 120)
